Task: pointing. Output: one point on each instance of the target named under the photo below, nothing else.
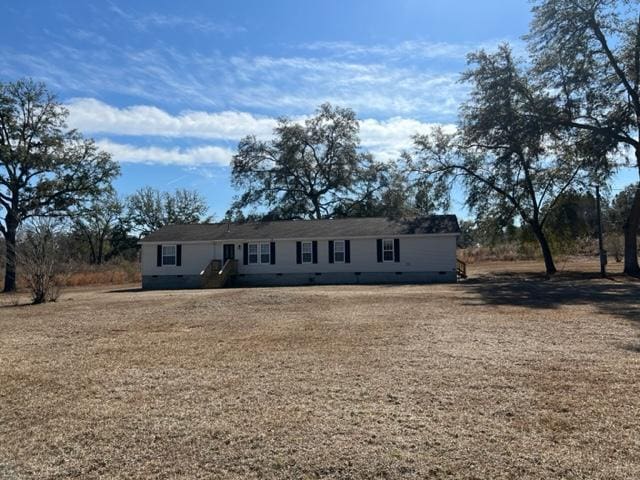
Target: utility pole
(602, 252)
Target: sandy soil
(506, 375)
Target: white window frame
(258, 253)
(341, 250)
(268, 254)
(392, 250)
(310, 252)
(175, 256)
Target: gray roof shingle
(290, 229)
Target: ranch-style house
(301, 252)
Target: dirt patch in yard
(503, 376)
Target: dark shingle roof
(335, 228)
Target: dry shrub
(614, 244)
(113, 273)
(40, 259)
(81, 274)
(500, 252)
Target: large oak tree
(45, 168)
(511, 164)
(311, 170)
(588, 54)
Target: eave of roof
(292, 229)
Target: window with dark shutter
(179, 255)
(298, 252)
(245, 254)
(159, 256)
(306, 250)
(338, 251)
(273, 253)
(265, 253)
(396, 250)
(379, 245)
(347, 251)
(387, 250)
(330, 251)
(169, 255)
(315, 252)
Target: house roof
(285, 229)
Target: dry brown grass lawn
(504, 376)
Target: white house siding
(417, 254)
(195, 257)
(425, 258)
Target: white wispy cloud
(207, 155)
(409, 49)
(93, 116)
(157, 20)
(270, 84)
(386, 139)
(295, 83)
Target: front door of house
(228, 252)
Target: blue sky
(170, 87)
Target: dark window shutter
(245, 254)
(396, 249)
(330, 251)
(379, 242)
(315, 251)
(298, 252)
(273, 253)
(179, 255)
(347, 251)
(159, 255)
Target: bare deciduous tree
(41, 259)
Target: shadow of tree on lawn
(616, 295)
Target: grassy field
(506, 375)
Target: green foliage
(620, 208)
(45, 169)
(149, 209)
(315, 170)
(96, 220)
(573, 219)
(121, 243)
(587, 53)
(511, 164)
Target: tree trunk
(546, 251)
(10, 254)
(100, 249)
(631, 266)
(92, 248)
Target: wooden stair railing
(209, 274)
(229, 268)
(461, 268)
(216, 275)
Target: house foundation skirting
(168, 282)
(342, 278)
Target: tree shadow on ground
(615, 295)
(128, 290)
